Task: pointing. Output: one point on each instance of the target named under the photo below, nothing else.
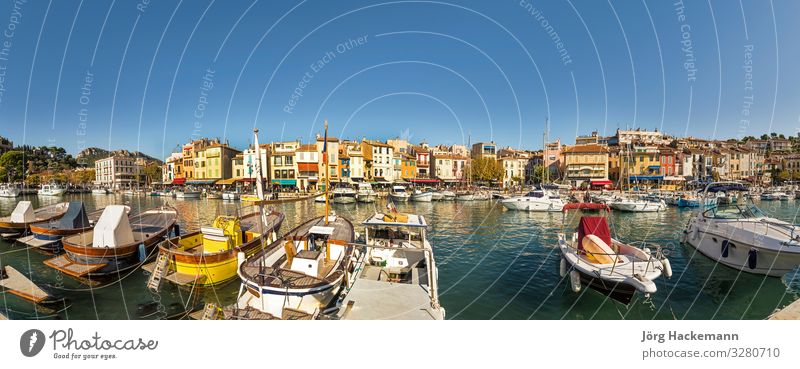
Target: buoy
(575, 281)
(667, 267)
(562, 267)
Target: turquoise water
(493, 264)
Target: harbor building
(282, 165)
(639, 137)
(586, 165)
(449, 168)
(333, 158)
(172, 168)
(486, 150)
(214, 162)
(308, 165)
(378, 164)
(355, 160)
(117, 172)
(423, 156)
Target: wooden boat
(118, 242)
(209, 256)
(591, 257)
(18, 223)
(47, 235)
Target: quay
(16, 283)
(790, 312)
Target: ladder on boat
(159, 271)
(211, 312)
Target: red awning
(600, 182)
(179, 181)
(425, 180)
(307, 167)
(245, 180)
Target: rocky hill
(90, 155)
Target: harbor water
(493, 264)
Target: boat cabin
(398, 241)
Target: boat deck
(175, 277)
(65, 265)
(249, 313)
(19, 285)
(249, 223)
(370, 300)
(35, 242)
(143, 225)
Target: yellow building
(586, 164)
(641, 164)
(408, 166)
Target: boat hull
(526, 204)
(367, 197)
(422, 197)
(399, 198)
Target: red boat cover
(596, 226)
(585, 206)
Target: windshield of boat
(734, 212)
(535, 194)
(395, 233)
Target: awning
(381, 180)
(654, 167)
(307, 167)
(179, 181)
(227, 181)
(674, 178)
(424, 180)
(646, 178)
(201, 181)
(285, 182)
(600, 182)
(246, 180)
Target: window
(289, 160)
(277, 174)
(278, 160)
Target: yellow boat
(209, 256)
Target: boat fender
(725, 248)
(665, 264)
(142, 252)
(240, 258)
(176, 230)
(575, 281)
(562, 267)
(752, 258)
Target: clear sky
(148, 75)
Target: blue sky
(148, 76)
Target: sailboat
(298, 275)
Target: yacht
(591, 257)
(638, 205)
(395, 274)
(448, 195)
(742, 237)
(9, 190)
(437, 195)
(421, 196)
(537, 200)
(343, 195)
(399, 194)
(188, 193)
(770, 196)
(51, 189)
(230, 195)
(100, 191)
(365, 193)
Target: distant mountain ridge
(92, 154)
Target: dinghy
(591, 257)
(18, 223)
(117, 243)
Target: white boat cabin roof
(327, 231)
(414, 220)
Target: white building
(117, 172)
(379, 157)
(171, 168)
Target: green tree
(11, 166)
(784, 175)
(765, 137)
(152, 172)
(538, 174)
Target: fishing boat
(214, 195)
(51, 189)
(47, 235)
(421, 196)
(343, 195)
(9, 190)
(188, 193)
(465, 196)
(742, 237)
(230, 195)
(118, 242)
(399, 194)
(591, 257)
(395, 273)
(437, 195)
(537, 200)
(300, 274)
(18, 223)
(688, 202)
(448, 195)
(365, 193)
(638, 205)
(209, 256)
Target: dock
(790, 312)
(35, 242)
(3, 317)
(177, 278)
(283, 200)
(371, 300)
(65, 265)
(16, 283)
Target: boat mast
(545, 138)
(325, 165)
(259, 181)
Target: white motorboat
(188, 193)
(51, 189)
(742, 237)
(395, 273)
(783, 196)
(100, 191)
(399, 194)
(320, 198)
(230, 195)
(465, 196)
(343, 195)
(9, 190)
(214, 195)
(591, 257)
(537, 200)
(638, 205)
(770, 196)
(437, 195)
(365, 193)
(448, 195)
(421, 196)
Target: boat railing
(658, 255)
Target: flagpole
(325, 165)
